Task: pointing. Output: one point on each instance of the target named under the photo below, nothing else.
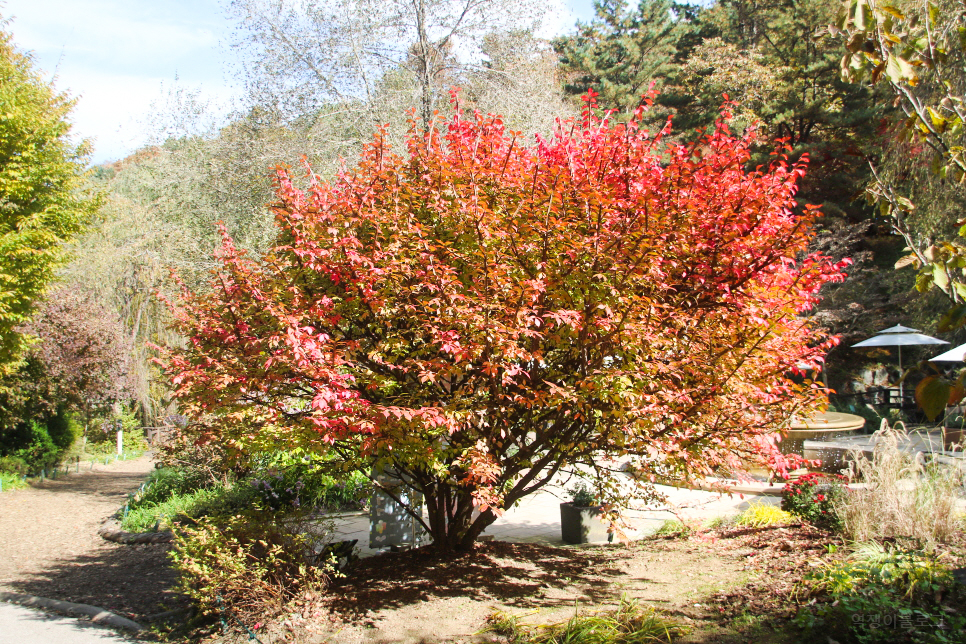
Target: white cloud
(114, 56)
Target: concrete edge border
(111, 531)
(732, 487)
(97, 615)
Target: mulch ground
(51, 547)
(705, 581)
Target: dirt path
(48, 535)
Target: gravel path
(48, 534)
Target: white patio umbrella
(953, 355)
(899, 336)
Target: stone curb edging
(740, 488)
(111, 531)
(98, 615)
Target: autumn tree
(479, 315)
(42, 199)
(84, 351)
(78, 363)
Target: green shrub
(884, 595)
(812, 498)
(630, 623)
(348, 493)
(307, 485)
(10, 481)
(250, 564)
(63, 430)
(673, 528)
(232, 499)
(905, 572)
(13, 465)
(162, 515)
(166, 482)
(38, 450)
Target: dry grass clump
(904, 495)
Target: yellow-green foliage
(42, 204)
(9, 482)
(251, 563)
(760, 515)
(630, 623)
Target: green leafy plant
(674, 528)
(630, 623)
(10, 481)
(166, 482)
(36, 448)
(161, 516)
(582, 496)
(13, 465)
(883, 594)
(812, 497)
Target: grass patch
(159, 516)
(10, 481)
(630, 623)
(672, 528)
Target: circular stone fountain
(823, 427)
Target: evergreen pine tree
(622, 51)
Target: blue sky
(118, 57)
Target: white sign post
(120, 439)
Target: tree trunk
(453, 525)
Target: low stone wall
(111, 530)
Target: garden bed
(720, 584)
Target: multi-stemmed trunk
(452, 520)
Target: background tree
(306, 54)
(918, 51)
(480, 314)
(43, 202)
(799, 96)
(83, 350)
(78, 364)
(623, 51)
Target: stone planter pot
(582, 524)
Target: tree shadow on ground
(133, 581)
(513, 574)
